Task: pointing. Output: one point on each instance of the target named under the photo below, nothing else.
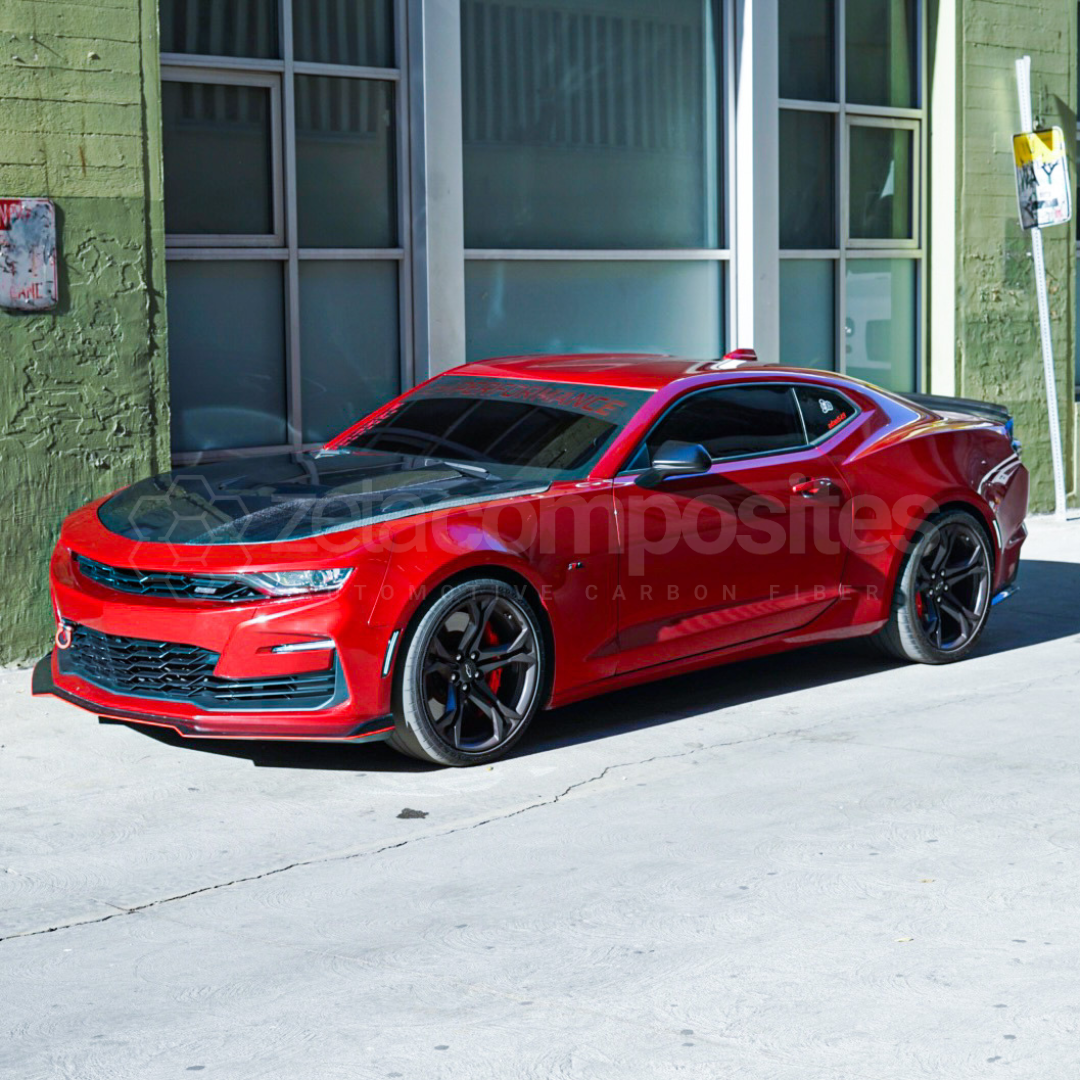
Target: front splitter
(43, 683)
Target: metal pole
(1023, 87)
(1048, 373)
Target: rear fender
(898, 482)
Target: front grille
(162, 583)
(175, 672)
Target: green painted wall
(999, 354)
(83, 389)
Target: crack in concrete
(322, 860)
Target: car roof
(628, 371)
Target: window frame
(280, 74)
(203, 76)
(850, 114)
(719, 117)
(884, 244)
(626, 469)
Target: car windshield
(517, 425)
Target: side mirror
(675, 459)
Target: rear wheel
(472, 675)
(943, 595)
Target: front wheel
(943, 594)
(472, 675)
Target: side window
(734, 420)
(822, 410)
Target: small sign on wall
(27, 254)
(1042, 178)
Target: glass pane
(881, 183)
(807, 180)
(574, 307)
(879, 329)
(807, 313)
(514, 423)
(226, 354)
(218, 160)
(346, 176)
(592, 128)
(359, 32)
(350, 354)
(221, 27)
(882, 37)
(733, 421)
(807, 50)
(822, 410)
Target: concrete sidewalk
(814, 865)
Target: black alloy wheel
(472, 677)
(952, 586)
(943, 593)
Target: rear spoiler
(988, 410)
(938, 403)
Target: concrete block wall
(998, 346)
(83, 389)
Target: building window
(852, 214)
(287, 264)
(593, 164)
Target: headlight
(298, 582)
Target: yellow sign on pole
(1042, 178)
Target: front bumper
(250, 643)
(204, 727)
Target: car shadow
(1044, 609)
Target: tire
(472, 675)
(943, 593)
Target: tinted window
(734, 420)
(216, 28)
(218, 162)
(515, 423)
(591, 125)
(807, 49)
(822, 410)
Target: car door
(752, 548)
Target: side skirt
(745, 651)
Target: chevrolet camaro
(523, 533)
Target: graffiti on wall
(27, 254)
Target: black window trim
(807, 444)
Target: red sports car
(527, 532)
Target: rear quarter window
(823, 410)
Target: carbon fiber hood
(293, 496)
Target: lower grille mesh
(175, 672)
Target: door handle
(818, 488)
